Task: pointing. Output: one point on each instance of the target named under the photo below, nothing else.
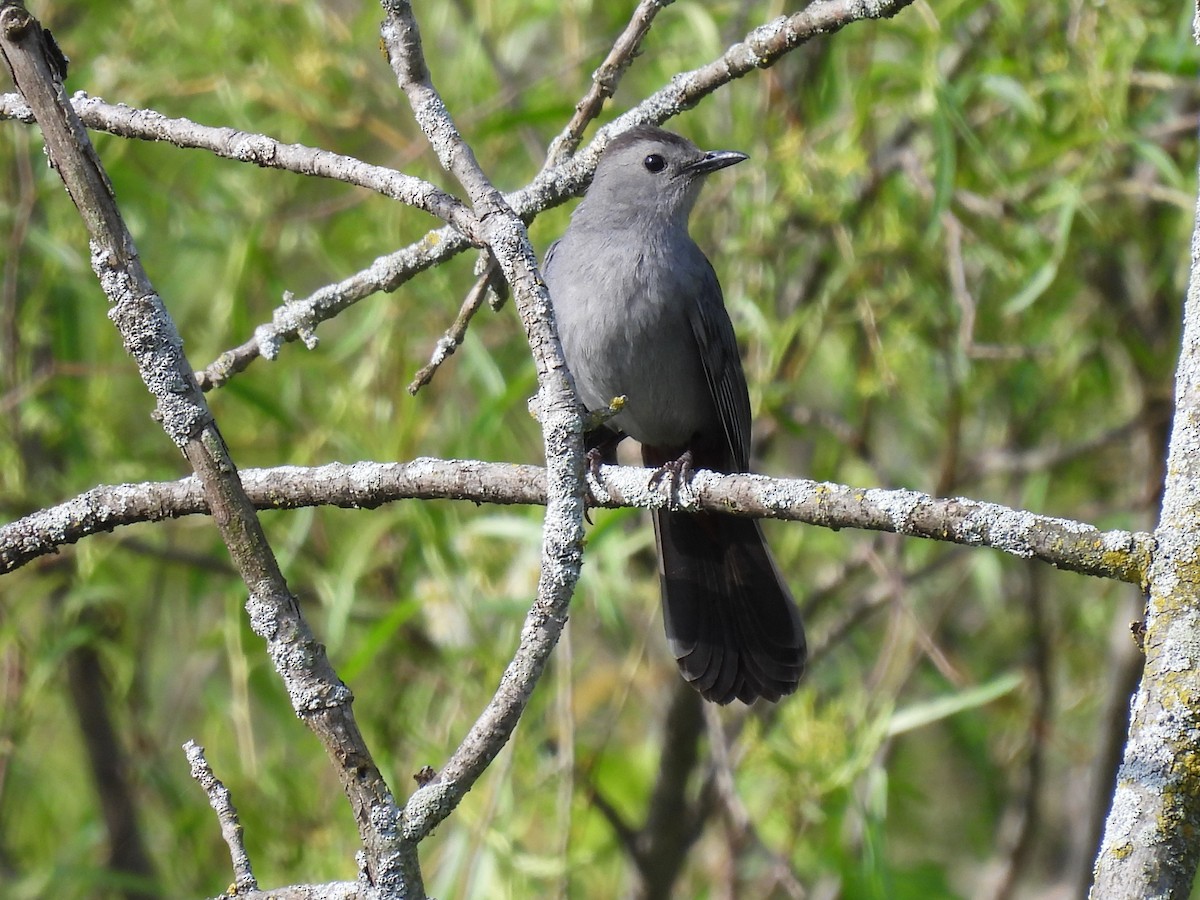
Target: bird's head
(652, 174)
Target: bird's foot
(676, 472)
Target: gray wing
(722, 365)
(546, 258)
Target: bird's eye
(654, 163)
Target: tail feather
(730, 619)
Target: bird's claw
(677, 472)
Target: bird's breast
(627, 331)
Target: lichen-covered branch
(562, 432)
(151, 338)
(1063, 543)
(259, 149)
(221, 801)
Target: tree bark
(1150, 846)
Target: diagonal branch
(605, 80)
(562, 431)
(452, 337)
(259, 149)
(761, 48)
(221, 800)
(151, 338)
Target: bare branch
(221, 801)
(762, 47)
(259, 149)
(562, 431)
(297, 318)
(334, 890)
(1063, 543)
(453, 336)
(605, 80)
(151, 338)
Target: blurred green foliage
(955, 261)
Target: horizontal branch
(334, 890)
(1063, 543)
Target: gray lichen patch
(898, 506)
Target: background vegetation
(956, 262)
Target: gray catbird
(640, 314)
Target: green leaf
(921, 714)
(1048, 271)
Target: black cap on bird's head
(655, 172)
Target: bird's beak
(713, 160)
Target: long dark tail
(730, 619)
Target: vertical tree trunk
(1150, 846)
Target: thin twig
(876, 597)
(453, 336)
(1047, 457)
(221, 801)
(725, 793)
(605, 80)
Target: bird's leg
(594, 458)
(600, 445)
(601, 448)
